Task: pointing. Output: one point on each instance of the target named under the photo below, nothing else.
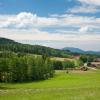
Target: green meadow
(76, 85)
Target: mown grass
(72, 86)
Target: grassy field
(61, 59)
(75, 85)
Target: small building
(97, 60)
(95, 64)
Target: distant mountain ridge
(77, 50)
(11, 45)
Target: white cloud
(26, 26)
(26, 20)
(84, 9)
(35, 34)
(29, 20)
(87, 6)
(44, 21)
(84, 29)
(72, 20)
(22, 20)
(92, 2)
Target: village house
(97, 60)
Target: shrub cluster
(15, 68)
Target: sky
(53, 23)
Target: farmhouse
(97, 60)
(95, 64)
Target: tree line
(24, 68)
(60, 65)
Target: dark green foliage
(68, 64)
(80, 63)
(84, 58)
(57, 65)
(87, 58)
(33, 49)
(6, 41)
(12, 46)
(15, 68)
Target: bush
(68, 64)
(57, 65)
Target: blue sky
(41, 7)
(74, 23)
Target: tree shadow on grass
(4, 88)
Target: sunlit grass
(72, 86)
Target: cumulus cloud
(27, 20)
(66, 28)
(29, 26)
(22, 20)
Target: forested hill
(6, 41)
(11, 45)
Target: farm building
(95, 64)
